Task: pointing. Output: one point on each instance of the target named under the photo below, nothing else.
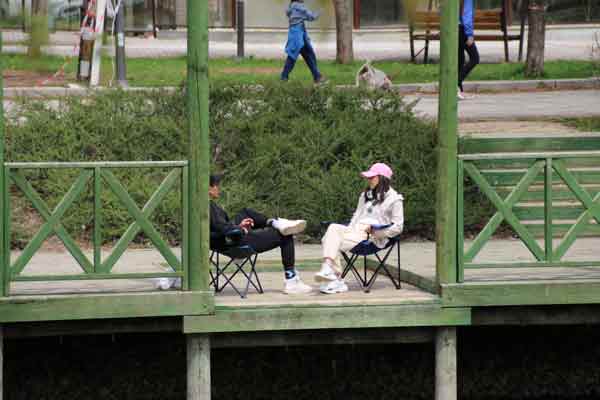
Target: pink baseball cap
(378, 169)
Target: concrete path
(519, 105)
(417, 257)
(562, 42)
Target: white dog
(372, 78)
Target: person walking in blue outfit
(466, 42)
(298, 42)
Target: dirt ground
(30, 78)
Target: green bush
(286, 150)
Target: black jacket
(219, 221)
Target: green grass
(584, 124)
(172, 71)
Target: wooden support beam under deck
(521, 293)
(445, 364)
(198, 367)
(345, 317)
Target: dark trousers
(310, 58)
(264, 238)
(465, 69)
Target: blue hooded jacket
(466, 19)
(297, 13)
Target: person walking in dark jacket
(298, 42)
(466, 43)
(259, 232)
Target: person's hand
(247, 224)
(470, 41)
(369, 229)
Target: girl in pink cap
(379, 204)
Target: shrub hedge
(286, 150)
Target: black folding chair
(239, 260)
(368, 248)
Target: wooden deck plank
(297, 318)
(98, 306)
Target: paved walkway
(417, 257)
(562, 42)
(519, 105)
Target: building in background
(142, 15)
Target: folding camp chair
(240, 260)
(368, 248)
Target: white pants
(341, 238)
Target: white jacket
(390, 211)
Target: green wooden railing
(101, 178)
(547, 171)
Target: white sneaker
(296, 286)
(326, 274)
(337, 286)
(461, 95)
(289, 227)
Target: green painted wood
(521, 156)
(91, 276)
(51, 223)
(499, 216)
(506, 211)
(97, 235)
(511, 177)
(7, 227)
(185, 200)
(561, 229)
(95, 164)
(559, 193)
(266, 319)
(40, 205)
(4, 266)
(447, 148)
(521, 293)
(141, 219)
(537, 212)
(537, 264)
(592, 205)
(100, 306)
(531, 144)
(132, 231)
(460, 214)
(548, 212)
(199, 144)
(446, 364)
(583, 160)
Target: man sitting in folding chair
(257, 234)
(375, 226)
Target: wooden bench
(489, 25)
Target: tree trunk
(39, 27)
(343, 25)
(536, 40)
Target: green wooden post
(446, 232)
(3, 249)
(548, 210)
(197, 107)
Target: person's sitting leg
(266, 239)
(284, 226)
(338, 238)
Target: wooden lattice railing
(563, 190)
(100, 175)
